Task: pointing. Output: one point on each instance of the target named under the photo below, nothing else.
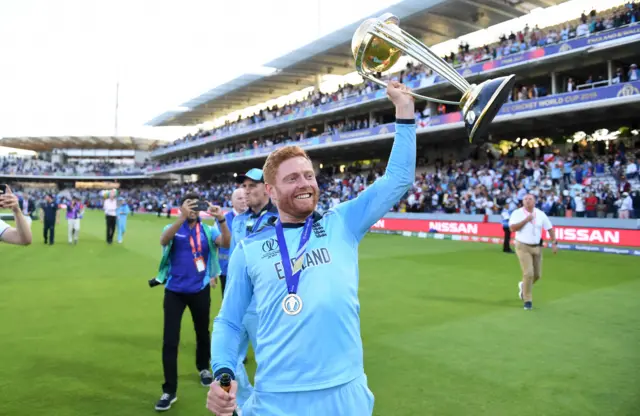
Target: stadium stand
(513, 44)
(482, 180)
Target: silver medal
(292, 304)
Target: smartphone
(3, 189)
(201, 206)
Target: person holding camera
(21, 233)
(189, 268)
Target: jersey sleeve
(227, 326)
(215, 231)
(234, 237)
(373, 203)
(3, 227)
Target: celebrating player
(303, 275)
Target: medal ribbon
(292, 276)
(193, 247)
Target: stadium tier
(609, 41)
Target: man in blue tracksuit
(122, 212)
(239, 205)
(301, 273)
(259, 213)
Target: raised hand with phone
(21, 233)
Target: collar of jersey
(267, 208)
(316, 217)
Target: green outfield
(444, 331)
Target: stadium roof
(45, 143)
(432, 21)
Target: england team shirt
(3, 227)
(321, 346)
(223, 253)
(245, 224)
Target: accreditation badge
(200, 266)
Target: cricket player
(302, 274)
(122, 212)
(258, 215)
(239, 205)
(75, 211)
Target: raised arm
(227, 326)
(224, 239)
(183, 214)
(374, 202)
(21, 234)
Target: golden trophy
(378, 44)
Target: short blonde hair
(275, 159)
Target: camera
(3, 189)
(201, 206)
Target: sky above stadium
(62, 59)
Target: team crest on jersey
(318, 230)
(270, 248)
(313, 258)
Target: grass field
(444, 332)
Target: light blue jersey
(242, 226)
(321, 347)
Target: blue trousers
(245, 389)
(122, 227)
(351, 399)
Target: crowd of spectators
(521, 41)
(38, 167)
(579, 183)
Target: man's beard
(298, 212)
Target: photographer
(21, 234)
(189, 268)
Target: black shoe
(528, 306)
(165, 402)
(206, 378)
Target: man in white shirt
(626, 206)
(528, 222)
(21, 234)
(110, 206)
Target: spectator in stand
(626, 206)
(591, 203)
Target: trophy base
(488, 100)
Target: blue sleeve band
(222, 371)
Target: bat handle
(225, 383)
